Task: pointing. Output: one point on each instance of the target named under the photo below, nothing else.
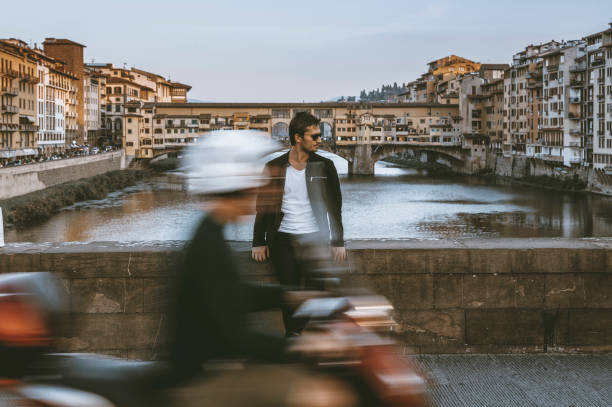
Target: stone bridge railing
(468, 296)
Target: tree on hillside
(382, 94)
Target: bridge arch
(363, 156)
(327, 131)
(280, 131)
(452, 159)
(341, 160)
(347, 155)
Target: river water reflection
(397, 203)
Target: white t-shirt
(298, 217)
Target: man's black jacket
(212, 305)
(323, 191)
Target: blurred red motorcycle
(347, 337)
(344, 337)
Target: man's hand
(260, 253)
(339, 254)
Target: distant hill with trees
(382, 94)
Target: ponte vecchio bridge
(362, 133)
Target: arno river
(396, 203)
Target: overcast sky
(278, 51)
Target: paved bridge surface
(534, 380)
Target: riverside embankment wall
(469, 296)
(15, 181)
(521, 167)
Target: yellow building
(175, 125)
(136, 88)
(18, 79)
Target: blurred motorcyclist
(213, 301)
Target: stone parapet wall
(467, 296)
(15, 181)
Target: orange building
(454, 65)
(71, 54)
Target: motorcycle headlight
(21, 324)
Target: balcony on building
(575, 99)
(593, 46)
(534, 85)
(28, 127)
(8, 127)
(578, 67)
(574, 115)
(575, 132)
(10, 109)
(10, 91)
(12, 73)
(29, 78)
(576, 82)
(552, 68)
(601, 79)
(598, 60)
(533, 75)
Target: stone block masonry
(466, 296)
(520, 167)
(15, 181)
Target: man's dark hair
(300, 122)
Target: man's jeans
(295, 257)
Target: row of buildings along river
(553, 102)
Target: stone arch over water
(280, 131)
(327, 132)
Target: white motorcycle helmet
(226, 161)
